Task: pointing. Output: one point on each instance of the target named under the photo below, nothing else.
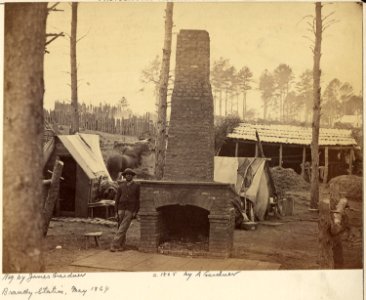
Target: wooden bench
(106, 203)
(96, 236)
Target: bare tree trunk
(25, 26)
(314, 194)
(231, 103)
(220, 102)
(226, 103)
(160, 144)
(237, 103)
(265, 104)
(74, 77)
(244, 104)
(52, 195)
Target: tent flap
(84, 148)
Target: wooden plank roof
(288, 134)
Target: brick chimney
(190, 149)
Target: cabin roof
(288, 134)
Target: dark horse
(127, 157)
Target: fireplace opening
(184, 228)
(184, 223)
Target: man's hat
(128, 171)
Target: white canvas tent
(84, 148)
(84, 168)
(251, 178)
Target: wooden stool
(96, 236)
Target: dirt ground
(290, 241)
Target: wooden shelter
(289, 147)
(83, 170)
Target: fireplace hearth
(190, 211)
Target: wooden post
(280, 158)
(260, 146)
(236, 149)
(351, 156)
(256, 150)
(52, 196)
(303, 161)
(326, 165)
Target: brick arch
(186, 197)
(170, 203)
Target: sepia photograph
(194, 138)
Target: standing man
(127, 204)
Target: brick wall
(190, 150)
(213, 197)
(189, 164)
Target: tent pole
(256, 150)
(236, 148)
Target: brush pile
(351, 185)
(288, 180)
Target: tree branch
(327, 16)
(54, 36)
(307, 16)
(53, 7)
(330, 23)
(83, 36)
(308, 38)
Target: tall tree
(267, 88)
(74, 77)
(25, 29)
(332, 102)
(314, 194)
(218, 80)
(346, 94)
(346, 91)
(283, 76)
(304, 88)
(160, 143)
(245, 78)
(292, 106)
(230, 87)
(353, 106)
(326, 254)
(151, 74)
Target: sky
(121, 39)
